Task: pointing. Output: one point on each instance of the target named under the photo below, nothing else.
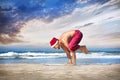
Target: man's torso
(65, 38)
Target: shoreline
(28, 71)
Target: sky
(35, 22)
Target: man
(69, 41)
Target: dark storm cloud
(14, 13)
(8, 26)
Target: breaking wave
(33, 55)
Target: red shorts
(73, 44)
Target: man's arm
(67, 53)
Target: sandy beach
(59, 72)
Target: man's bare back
(66, 37)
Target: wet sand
(59, 72)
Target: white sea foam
(97, 55)
(33, 55)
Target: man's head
(54, 43)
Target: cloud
(9, 27)
(13, 15)
(100, 29)
(38, 20)
(88, 24)
(5, 39)
(82, 1)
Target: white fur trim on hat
(54, 44)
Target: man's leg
(73, 57)
(69, 58)
(83, 49)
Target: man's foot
(84, 49)
(68, 64)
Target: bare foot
(84, 49)
(68, 64)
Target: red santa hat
(53, 42)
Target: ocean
(51, 56)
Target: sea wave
(32, 55)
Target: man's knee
(71, 48)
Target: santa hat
(53, 42)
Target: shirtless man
(69, 41)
